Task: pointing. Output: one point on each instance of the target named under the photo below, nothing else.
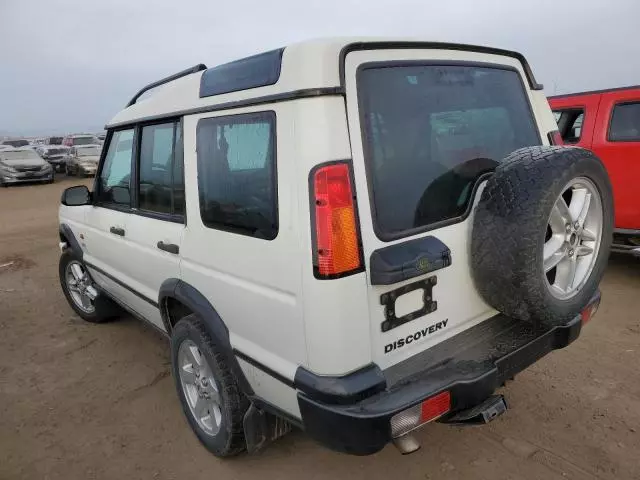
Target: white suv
(352, 237)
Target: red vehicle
(608, 123)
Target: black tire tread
(506, 238)
(235, 402)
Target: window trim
(271, 116)
(610, 123)
(135, 207)
(368, 157)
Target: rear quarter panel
(622, 159)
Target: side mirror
(76, 196)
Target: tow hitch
(482, 413)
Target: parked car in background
(608, 123)
(83, 160)
(81, 139)
(19, 142)
(56, 155)
(23, 164)
(53, 141)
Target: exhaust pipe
(406, 444)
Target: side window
(115, 176)
(625, 123)
(160, 161)
(237, 174)
(570, 124)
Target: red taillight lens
(555, 138)
(337, 242)
(589, 311)
(435, 407)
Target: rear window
(84, 140)
(430, 131)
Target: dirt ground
(82, 401)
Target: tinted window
(570, 124)
(115, 176)
(236, 174)
(156, 168)
(625, 123)
(431, 131)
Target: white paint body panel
(276, 311)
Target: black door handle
(169, 247)
(117, 231)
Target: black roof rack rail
(170, 78)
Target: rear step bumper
(470, 365)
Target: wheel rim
(573, 237)
(199, 387)
(79, 285)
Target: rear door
(425, 127)
(617, 143)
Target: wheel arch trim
(215, 326)
(67, 235)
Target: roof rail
(170, 78)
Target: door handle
(117, 231)
(169, 247)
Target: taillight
(337, 243)
(427, 411)
(555, 138)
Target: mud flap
(482, 413)
(262, 428)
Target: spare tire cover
(542, 232)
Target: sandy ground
(82, 401)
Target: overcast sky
(70, 65)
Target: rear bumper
(471, 366)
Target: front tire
(207, 388)
(76, 282)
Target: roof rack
(195, 69)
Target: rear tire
(194, 356)
(524, 255)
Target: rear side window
(237, 174)
(161, 186)
(570, 124)
(430, 131)
(115, 176)
(625, 123)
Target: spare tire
(541, 234)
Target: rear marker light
(589, 312)
(337, 242)
(427, 411)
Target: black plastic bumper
(471, 366)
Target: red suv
(608, 123)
